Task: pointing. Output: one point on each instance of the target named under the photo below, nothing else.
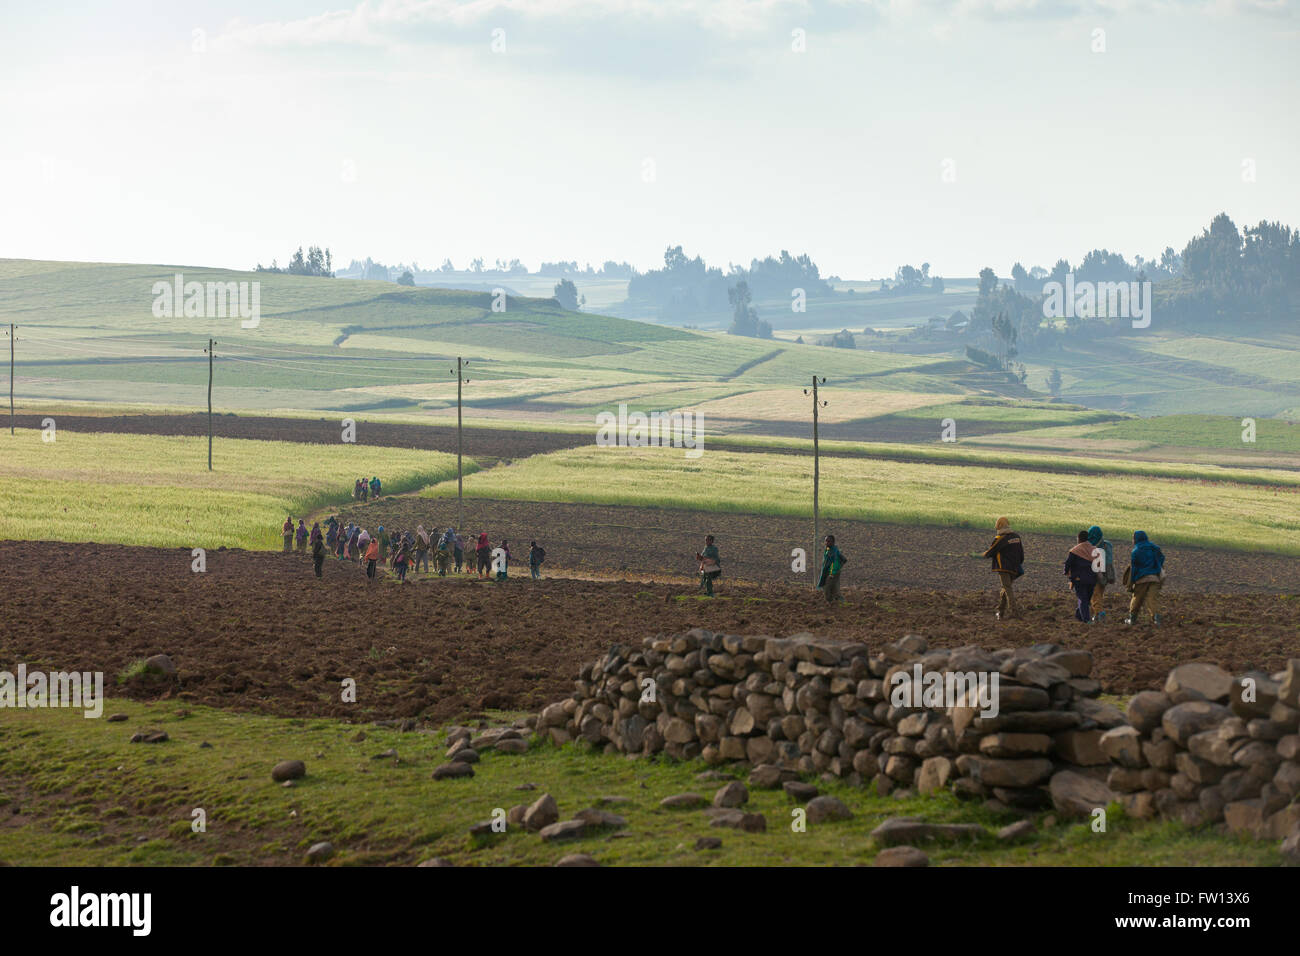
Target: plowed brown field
(258, 631)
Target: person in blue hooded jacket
(1103, 555)
(1146, 575)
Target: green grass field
(90, 798)
(1207, 431)
(88, 333)
(157, 491)
(1241, 517)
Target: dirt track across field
(258, 631)
(496, 443)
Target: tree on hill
(566, 293)
(744, 317)
(843, 339)
(406, 278)
(1054, 383)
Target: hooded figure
(1008, 556)
(1106, 576)
(442, 554)
(317, 549)
(1146, 576)
(1079, 570)
(302, 535)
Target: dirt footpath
(596, 539)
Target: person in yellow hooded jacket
(1008, 555)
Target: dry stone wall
(794, 706)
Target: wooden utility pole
(11, 378)
(209, 350)
(461, 365)
(817, 545)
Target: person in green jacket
(710, 565)
(384, 541)
(832, 562)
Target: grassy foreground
(1175, 511)
(73, 791)
(157, 491)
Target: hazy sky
(224, 132)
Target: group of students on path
(1089, 570)
(1089, 565)
(405, 550)
(363, 490)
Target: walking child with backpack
(1008, 555)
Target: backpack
(539, 554)
(1013, 555)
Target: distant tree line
(316, 262)
(686, 286)
(909, 280)
(1245, 276)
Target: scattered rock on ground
(288, 770)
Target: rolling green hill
(89, 332)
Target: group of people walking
(1089, 570)
(363, 490)
(405, 551)
(1089, 565)
(833, 561)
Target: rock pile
(799, 705)
(1209, 747)
(1213, 747)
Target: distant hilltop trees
(909, 280)
(686, 286)
(316, 262)
(1247, 278)
(369, 269)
